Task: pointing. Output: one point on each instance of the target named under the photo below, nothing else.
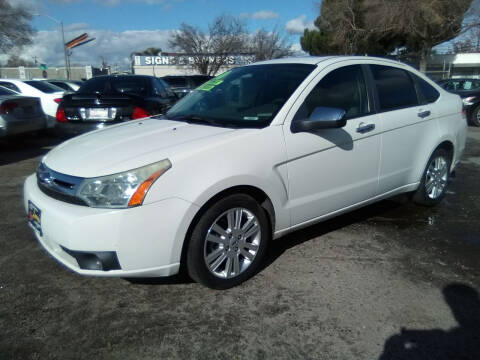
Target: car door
(407, 122)
(332, 169)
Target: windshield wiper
(192, 118)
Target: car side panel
(253, 157)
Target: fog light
(98, 260)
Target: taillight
(8, 107)
(61, 117)
(139, 113)
(58, 100)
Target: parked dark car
(183, 84)
(20, 114)
(112, 99)
(469, 91)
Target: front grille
(59, 186)
(60, 196)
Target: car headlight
(469, 100)
(122, 190)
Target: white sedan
(249, 156)
(49, 95)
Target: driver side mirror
(321, 118)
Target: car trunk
(98, 107)
(21, 108)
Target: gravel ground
(389, 281)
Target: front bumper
(147, 240)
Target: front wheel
(433, 185)
(228, 242)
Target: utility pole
(67, 68)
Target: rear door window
(395, 87)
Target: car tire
(475, 117)
(228, 242)
(433, 184)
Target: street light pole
(67, 70)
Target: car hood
(130, 145)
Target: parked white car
(49, 95)
(251, 155)
(19, 114)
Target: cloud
(297, 25)
(264, 14)
(76, 27)
(114, 47)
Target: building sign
(183, 60)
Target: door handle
(363, 128)
(424, 114)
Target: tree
(381, 26)
(468, 44)
(226, 36)
(15, 61)
(425, 24)
(269, 45)
(15, 29)
(149, 51)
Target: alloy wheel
(232, 242)
(436, 177)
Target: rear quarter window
(428, 94)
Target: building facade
(182, 64)
(454, 66)
(28, 73)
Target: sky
(121, 27)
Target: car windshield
(114, 85)
(247, 96)
(43, 86)
(5, 91)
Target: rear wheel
(475, 118)
(228, 242)
(433, 185)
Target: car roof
(121, 75)
(15, 80)
(185, 76)
(315, 60)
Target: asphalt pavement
(389, 281)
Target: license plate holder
(35, 217)
(97, 113)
